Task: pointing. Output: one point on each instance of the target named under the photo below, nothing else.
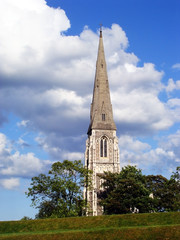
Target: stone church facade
(102, 151)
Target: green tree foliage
(166, 193)
(60, 193)
(125, 192)
(158, 186)
(129, 190)
(174, 186)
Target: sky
(48, 52)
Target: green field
(165, 226)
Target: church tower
(102, 152)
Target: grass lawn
(165, 226)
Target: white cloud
(56, 146)
(10, 183)
(25, 32)
(176, 66)
(56, 88)
(172, 85)
(24, 165)
(135, 98)
(160, 160)
(174, 105)
(73, 156)
(54, 150)
(3, 141)
(127, 142)
(23, 123)
(47, 80)
(172, 143)
(17, 164)
(174, 102)
(74, 105)
(129, 77)
(114, 35)
(141, 109)
(5, 149)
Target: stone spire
(101, 116)
(102, 151)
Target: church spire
(102, 151)
(101, 116)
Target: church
(102, 151)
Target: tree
(174, 186)
(129, 190)
(157, 185)
(60, 193)
(176, 175)
(166, 193)
(125, 192)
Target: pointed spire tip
(101, 30)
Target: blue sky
(48, 52)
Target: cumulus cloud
(160, 160)
(47, 81)
(62, 147)
(176, 66)
(10, 183)
(13, 163)
(56, 87)
(127, 142)
(174, 105)
(130, 77)
(26, 29)
(140, 112)
(172, 142)
(172, 85)
(22, 165)
(5, 147)
(73, 156)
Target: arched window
(103, 117)
(103, 147)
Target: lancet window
(103, 117)
(103, 147)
